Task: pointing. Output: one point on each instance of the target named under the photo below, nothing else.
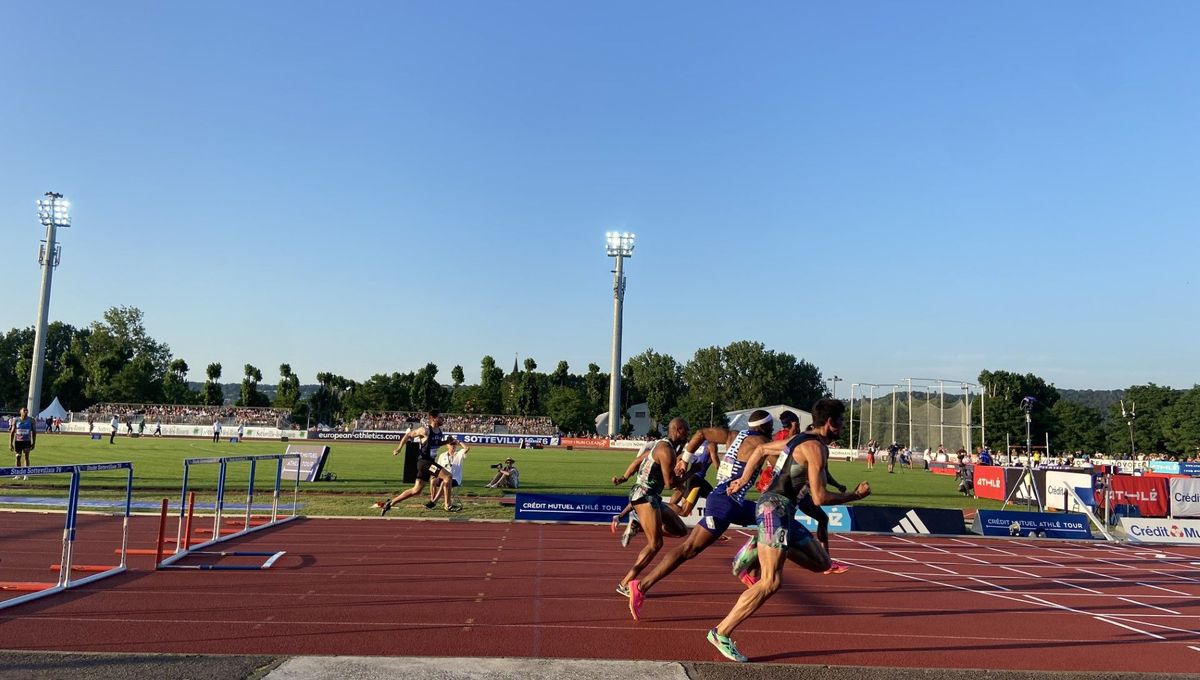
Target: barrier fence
(66, 566)
(221, 532)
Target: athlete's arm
(665, 457)
(715, 436)
(830, 481)
(618, 481)
(762, 451)
(812, 453)
(409, 435)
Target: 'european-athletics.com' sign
(562, 508)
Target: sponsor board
(839, 519)
(1192, 469)
(1141, 530)
(989, 482)
(948, 469)
(312, 461)
(465, 437)
(1165, 467)
(1050, 525)
(1058, 482)
(629, 443)
(584, 442)
(907, 520)
(1151, 495)
(563, 508)
(1185, 497)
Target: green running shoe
(725, 646)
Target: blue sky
(886, 189)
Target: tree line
(115, 360)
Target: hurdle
(65, 566)
(187, 501)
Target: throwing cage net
(919, 415)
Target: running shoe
(725, 646)
(837, 568)
(748, 579)
(430, 505)
(387, 505)
(612, 526)
(630, 531)
(455, 507)
(746, 557)
(622, 590)
(636, 598)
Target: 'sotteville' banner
(465, 437)
(1161, 530)
(1150, 494)
(1185, 497)
(312, 461)
(562, 508)
(1051, 525)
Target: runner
(791, 423)
(695, 483)
(22, 436)
(722, 508)
(801, 460)
(430, 435)
(655, 470)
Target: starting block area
(34, 529)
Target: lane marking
(1118, 623)
(1068, 583)
(1026, 573)
(1143, 604)
(948, 571)
(1176, 592)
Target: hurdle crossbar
(64, 565)
(183, 537)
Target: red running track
(405, 588)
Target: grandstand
(181, 414)
(458, 422)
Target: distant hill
(1097, 399)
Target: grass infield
(368, 472)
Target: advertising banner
(1151, 495)
(1019, 478)
(465, 437)
(1165, 467)
(1185, 497)
(1192, 469)
(839, 519)
(584, 442)
(312, 461)
(1142, 530)
(1050, 525)
(948, 469)
(989, 482)
(1057, 482)
(560, 508)
(907, 521)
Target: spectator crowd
(458, 422)
(188, 414)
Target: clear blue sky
(887, 189)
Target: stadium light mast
(619, 245)
(53, 212)
(834, 381)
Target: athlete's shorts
(22, 447)
(639, 495)
(720, 511)
(777, 525)
(696, 482)
(427, 468)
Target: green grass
(368, 472)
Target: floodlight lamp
(618, 244)
(54, 210)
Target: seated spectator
(507, 476)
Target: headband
(761, 421)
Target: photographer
(507, 475)
(966, 483)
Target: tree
(124, 364)
(491, 385)
(211, 393)
(561, 376)
(250, 396)
(596, 389)
(175, 387)
(456, 374)
(660, 378)
(1076, 427)
(527, 391)
(288, 391)
(1181, 423)
(1153, 404)
(426, 393)
(570, 410)
(1005, 391)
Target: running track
(406, 588)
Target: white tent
(738, 419)
(54, 410)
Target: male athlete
(655, 470)
(801, 460)
(721, 509)
(791, 423)
(22, 436)
(431, 438)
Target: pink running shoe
(636, 599)
(837, 568)
(612, 526)
(748, 579)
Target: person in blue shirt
(22, 435)
(985, 456)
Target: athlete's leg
(417, 488)
(771, 561)
(616, 520)
(696, 542)
(650, 518)
(671, 524)
(808, 554)
(808, 507)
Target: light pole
(711, 412)
(852, 386)
(619, 245)
(834, 381)
(1129, 418)
(53, 213)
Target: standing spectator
(872, 447)
(22, 436)
(158, 428)
(216, 430)
(91, 423)
(116, 426)
(241, 430)
(893, 453)
(142, 427)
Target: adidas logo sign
(910, 524)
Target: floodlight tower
(53, 213)
(618, 245)
(834, 381)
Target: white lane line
(948, 571)
(1192, 647)
(1002, 552)
(921, 545)
(1105, 577)
(1026, 573)
(986, 583)
(1068, 583)
(1172, 575)
(1118, 623)
(1176, 592)
(1116, 564)
(1151, 624)
(1143, 604)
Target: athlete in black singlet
(430, 435)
